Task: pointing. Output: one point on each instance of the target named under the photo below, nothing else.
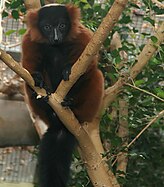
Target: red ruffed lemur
(53, 42)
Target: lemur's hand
(66, 72)
(39, 82)
(68, 102)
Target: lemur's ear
(32, 26)
(75, 15)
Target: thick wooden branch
(93, 46)
(147, 52)
(123, 133)
(32, 4)
(142, 60)
(23, 73)
(86, 57)
(158, 3)
(96, 167)
(35, 4)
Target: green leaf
(125, 19)
(42, 2)
(160, 92)
(139, 82)
(21, 31)
(116, 141)
(158, 10)
(23, 9)
(118, 59)
(87, 6)
(16, 4)
(134, 5)
(154, 39)
(114, 53)
(4, 14)
(151, 21)
(84, 1)
(15, 14)
(9, 32)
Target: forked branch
(142, 60)
(96, 167)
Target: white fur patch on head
(53, 4)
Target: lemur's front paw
(39, 82)
(38, 79)
(43, 98)
(68, 102)
(39, 97)
(66, 72)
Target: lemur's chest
(55, 60)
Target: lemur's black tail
(55, 156)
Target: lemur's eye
(62, 26)
(47, 27)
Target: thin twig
(158, 116)
(12, 45)
(142, 59)
(145, 91)
(159, 4)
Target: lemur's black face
(54, 23)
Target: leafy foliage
(16, 7)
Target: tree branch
(123, 133)
(159, 4)
(23, 73)
(146, 54)
(145, 91)
(93, 47)
(158, 116)
(35, 4)
(96, 167)
(32, 4)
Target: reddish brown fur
(32, 19)
(90, 93)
